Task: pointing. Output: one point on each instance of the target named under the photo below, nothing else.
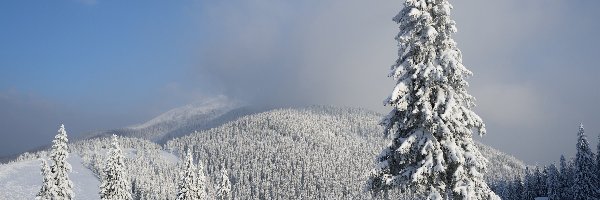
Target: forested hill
(318, 152)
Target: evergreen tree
(502, 189)
(48, 189)
(584, 187)
(529, 185)
(598, 163)
(518, 189)
(60, 168)
(186, 189)
(201, 182)
(431, 121)
(540, 182)
(115, 185)
(553, 183)
(566, 178)
(224, 191)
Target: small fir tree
(540, 181)
(202, 185)
(224, 191)
(553, 183)
(529, 185)
(114, 181)
(518, 188)
(584, 186)
(566, 178)
(48, 190)
(431, 122)
(187, 187)
(60, 168)
(598, 164)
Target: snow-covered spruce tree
(187, 187)
(553, 183)
(541, 175)
(224, 191)
(566, 178)
(48, 189)
(201, 182)
(584, 187)
(518, 189)
(115, 185)
(529, 187)
(431, 122)
(598, 163)
(60, 168)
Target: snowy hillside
(319, 152)
(312, 153)
(22, 180)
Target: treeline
(138, 173)
(573, 179)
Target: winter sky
(99, 64)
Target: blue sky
(74, 52)
(99, 64)
(115, 63)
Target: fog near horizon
(533, 64)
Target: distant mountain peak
(200, 115)
(202, 107)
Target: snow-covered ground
(22, 180)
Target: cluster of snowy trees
(57, 184)
(574, 179)
(314, 153)
(114, 173)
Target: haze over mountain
(201, 115)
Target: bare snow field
(22, 180)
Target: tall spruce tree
(187, 187)
(431, 121)
(584, 185)
(48, 190)
(114, 180)
(60, 167)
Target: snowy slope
(22, 180)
